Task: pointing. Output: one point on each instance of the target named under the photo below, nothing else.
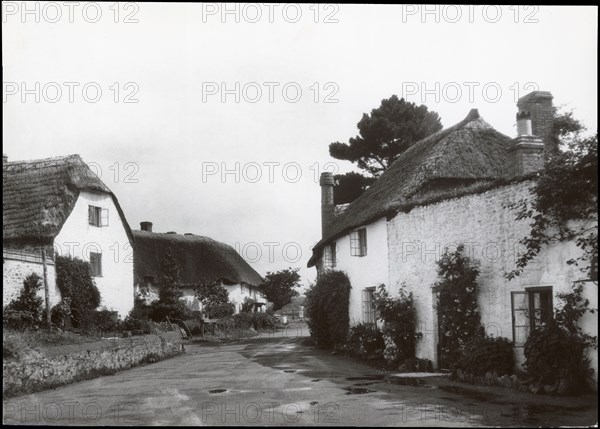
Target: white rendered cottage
(59, 205)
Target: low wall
(59, 365)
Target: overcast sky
(186, 92)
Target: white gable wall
(78, 238)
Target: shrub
(327, 309)
(247, 305)
(263, 321)
(365, 340)
(399, 324)
(160, 310)
(487, 354)
(140, 308)
(458, 312)
(215, 300)
(243, 320)
(26, 310)
(106, 320)
(60, 315)
(136, 326)
(74, 280)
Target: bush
(136, 326)
(60, 315)
(327, 309)
(26, 310)
(106, 321)
(553, 356)
(488, 354)
(458, 311)
(74, 280)
(215, 300)
(243, 320)
(159, 311)
(263, 321)
(399, 324)
(365, 340)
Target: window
(368, 305)
(531, 309)
(358, 242)
(242, 289)
(96, 264)
(97, 216)
(330, 260)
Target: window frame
(330, 256)
(369, 316)
(358, 242)
(529, 310)
(97, 216)
(98, 265)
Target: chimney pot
(539, 105)
(524, 123)
(146, 226)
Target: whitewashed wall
(77, 238)
(364, 271)
(416, 241)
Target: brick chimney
(539, 105)
(327, 207)
(526, 153)
(146, 226)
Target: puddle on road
(351, 390)
(217, 391)
(317, 379)
(367, 377)
(468, 393)
(289, 371)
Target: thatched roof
(200, 259)
(38, 197)
(465, 154)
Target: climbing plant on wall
(564, 205)
(457, 308)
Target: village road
(280, 380)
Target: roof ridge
(53, 158)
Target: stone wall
(16, 267)
(59, 365)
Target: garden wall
(59, 365)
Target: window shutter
(104, 217)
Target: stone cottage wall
(17, 266)
(416, 241)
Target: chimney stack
(327, 207)
(539, 105)
(528, 149)
(146, 226)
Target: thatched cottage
(452, 187)
(60, 206)
(201, 259)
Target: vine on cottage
(399, 324)
(458, 311)
(564, 205)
